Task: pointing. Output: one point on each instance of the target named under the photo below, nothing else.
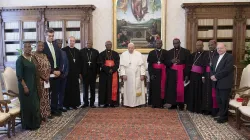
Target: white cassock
(132, 65)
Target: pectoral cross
(89, 63)
(74, 60)
(158, 62)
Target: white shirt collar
(222, 55)
(49, 43)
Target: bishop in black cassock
(109, 77)
(209, 103)
(157, 72)
(89, 69)
(177, 73)
(197, 66)
(72, 91)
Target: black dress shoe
(173, 107)
(93, 106)
(112, 106)
(63, 110)
(74, 107)
(222, 121)
(206, 113)
(105, 106)
(55, 113)
(216, 118)
(51, 117)
(84, 106)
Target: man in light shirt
(54, 56)
(222, 76)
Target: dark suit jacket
(50, 58)
(224, 72)
(64, 64)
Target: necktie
(52, 50)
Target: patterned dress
(43, 71)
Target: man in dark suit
(63, 77)
(222, 76)
(54, 56)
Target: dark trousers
(62, 91)
(222, 97)
(90, 81)
(54, 91)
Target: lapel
(48, 50)
(221, 62)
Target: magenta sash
(180, 83)
(163, 77)
(208, 69)
(215, 105)
(197, 69)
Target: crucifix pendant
(74, 60)
(89, 63)
(210, 63)
(158, 62)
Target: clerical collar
(177, 49)
(158, 49)
(89, 49)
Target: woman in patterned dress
(43, 73)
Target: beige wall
(102, 16)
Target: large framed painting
(141, 22)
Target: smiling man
(222, 75)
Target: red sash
(180, 83)
(111, 63)
(215, 105)
(163, 77)
(197, 69)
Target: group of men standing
(201, 80)
(176, 77)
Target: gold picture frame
(138, 21)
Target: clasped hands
(124, 77)
(175, 61)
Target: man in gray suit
(222, 76)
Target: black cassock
(183, 55)
(72, 91)
(154, 57)
(89, 70)
(195, 87)
(105, 81)
(207, 99)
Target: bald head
(199, 45)
(176, 43)
(71, 42)
(158, 44)
(221, 48)
(89, 44)
(131, 47)
(108, 45)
